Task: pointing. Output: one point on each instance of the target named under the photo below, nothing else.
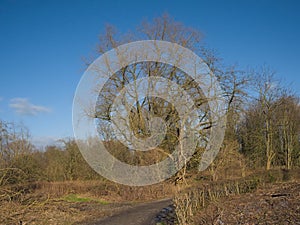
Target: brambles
(189, 202)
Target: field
(273, 201)
(75, 202)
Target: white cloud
(22, 106)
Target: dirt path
(140, 214)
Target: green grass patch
(76, 198)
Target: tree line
(21, 161)
(263, 117)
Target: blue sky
(43, 43)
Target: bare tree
(146, 108)
(16, 162)
(288, 117)
(267, 130)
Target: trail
(141, 214)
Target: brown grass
(276, 203)
(196, 198)
(71, 202)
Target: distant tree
(269, 131)
(54, 159)
(260, 122)
(288, 134)
(17, 163)
(75, 166)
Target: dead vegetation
(71, 202)
(202, 196)
(272, 204)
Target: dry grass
(78, 201)
(71, 202)
(196, 198)
(189, 202)
(109, 191)
(38, 210)
(272, 204)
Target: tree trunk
(269, 151)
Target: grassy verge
(76, 198)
